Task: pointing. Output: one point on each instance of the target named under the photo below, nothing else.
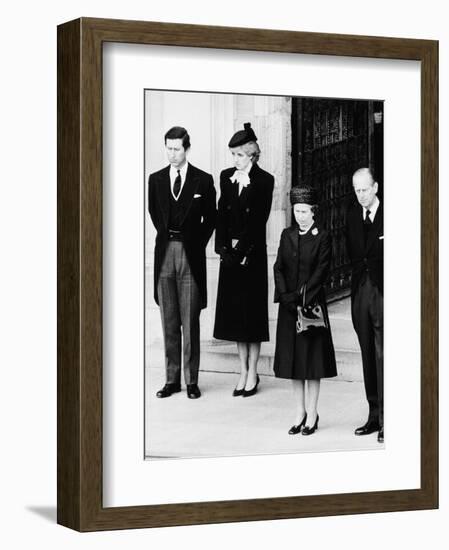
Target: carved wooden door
(331, 138)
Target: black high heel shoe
(238, 393)
(309, 431)
(297, 427)
(252, 391)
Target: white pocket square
(196, 196)
(381, 238)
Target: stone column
(221, 130)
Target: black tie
(177, 185)
(367, 224)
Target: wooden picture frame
(80, 351)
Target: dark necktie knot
(367, 218)
(177, 184)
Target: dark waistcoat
(175, 214)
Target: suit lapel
(233, 188)
(244, 195)
(188, 190)
(374, 233)
(164, 194)
(247, 191)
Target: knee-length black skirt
(309, 355)
(241, 313)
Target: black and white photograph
(264, 265)
(204, 205)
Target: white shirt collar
(372, 210)
(173, 175)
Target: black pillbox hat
(243, 136)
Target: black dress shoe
(193, 391)
(237, 393)
(252, 391)
(380, 435)
(370, 427)
(168, 389)
(298, 427)
(309, 431)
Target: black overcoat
(365, 257)
(197, 200)
(302, 261)
(242, 297)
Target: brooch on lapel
(315, 231)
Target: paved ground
(218, 424)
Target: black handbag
(310, 316)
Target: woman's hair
(252, 149)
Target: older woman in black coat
(240, 239)
(300, 272)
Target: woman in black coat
(240, 239)
(300, 272)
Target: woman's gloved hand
(290, 300)
(228, 258)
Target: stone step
(224, 358)
(221, 356)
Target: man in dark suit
(181, 202)
(365, 247)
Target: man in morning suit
(181, 202)
(365, 247)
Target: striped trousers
(179, 302)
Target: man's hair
(178, 132)
(362, 172)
